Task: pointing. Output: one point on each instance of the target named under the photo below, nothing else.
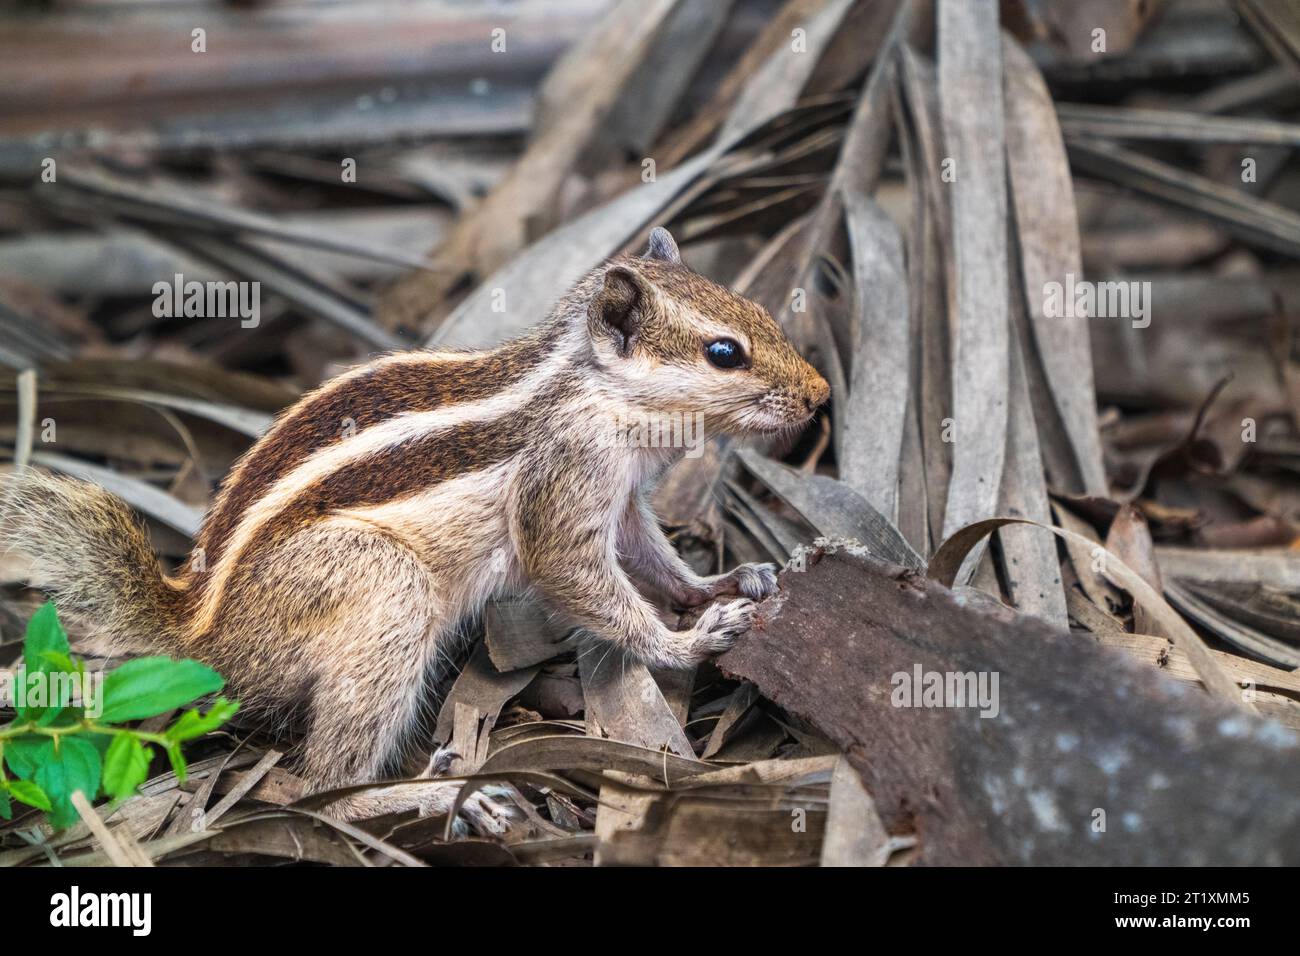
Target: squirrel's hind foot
(488, 811)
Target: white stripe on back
(368, 443)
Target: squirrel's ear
(662, 247)
(619, 308)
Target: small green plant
(67, 734)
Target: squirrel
(377, 514)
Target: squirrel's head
(679, 344)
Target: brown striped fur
(354, 402)
(352, 543)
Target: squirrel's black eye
(725, 353)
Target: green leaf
(73, 766)
(61, 687)
(21, 754)
(150, 685)
(177, 760)
(63, 718)
(6, 810)
(46, 653)
(30, 794)
(192, 724)
(60, 661)
(126, 764)
(44, 633)
(101, 743)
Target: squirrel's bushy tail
(92, 554)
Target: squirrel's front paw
(719, 627)
(755, 581)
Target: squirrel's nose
(817, 395)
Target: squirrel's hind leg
(370, 662)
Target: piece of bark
(1083, 738)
